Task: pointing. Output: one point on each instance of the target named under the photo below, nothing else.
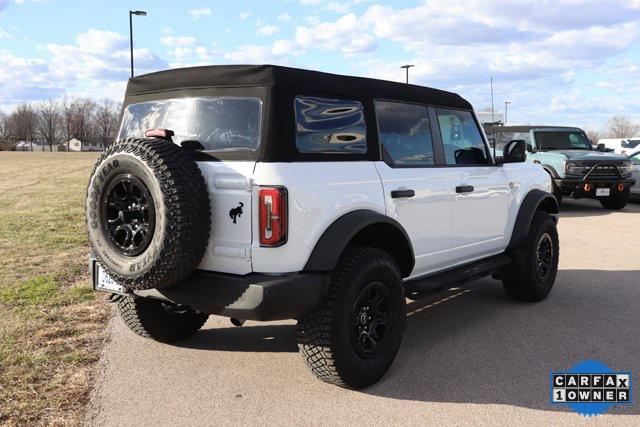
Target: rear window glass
(329, 126)
(219, 124)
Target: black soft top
(237, 76)
(277, 87)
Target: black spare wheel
(148, 213)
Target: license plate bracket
(104, 282)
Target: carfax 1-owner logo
(591, 388)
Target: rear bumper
(251, 297)
(575, 186)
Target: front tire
(616, 201)
(353, 336)
(532, 273)
(159, 320)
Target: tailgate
(229, 184)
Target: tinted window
(329, 126)
(461, 138)
(562, 140)
(404, 133)
(636, 159)
(219, 124)
(632, 143)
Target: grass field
(52, 326)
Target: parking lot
(470, 355)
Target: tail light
(273, 216)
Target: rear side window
(404, 133)
(461, 138)
(329, 126)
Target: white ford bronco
(267, 193)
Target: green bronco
(577, 169)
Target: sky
(562, 62)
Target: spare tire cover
(148, 213)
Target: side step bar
(423, 286)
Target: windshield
(562, 140)
(219, 124)
(632, 143)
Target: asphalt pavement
(469, 355)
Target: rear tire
(353, 336)
(532, 273)
(616, 201)
(159, 320)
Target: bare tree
(622, 127)
(49, 121)
(106, 121)
(22, 123)
(66, 120)
(83, 111)
(4, 128)
(593, 136)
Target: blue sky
(571, 62)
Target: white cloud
(338, 6)
(244, 15)
(177, 41)
(284, 17)
(267, 30)
(98, 54)
(310, 2)
(200, 12)
(345, 34)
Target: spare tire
(148, 213)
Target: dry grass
(52, 326)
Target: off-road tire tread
(147, 318)
(314, 329)
(519, 279)
(188, 212)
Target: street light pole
(406, 67)
(131, 13)
(506, 105)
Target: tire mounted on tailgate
(148, 213)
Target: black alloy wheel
(544, 257)
(129, 215)
(370, 319)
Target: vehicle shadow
(257, 338)
(481, 347)
(572, 208)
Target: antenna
(493, 123)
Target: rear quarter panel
(319, 193)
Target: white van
(622, 145)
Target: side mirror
(515, 151)
(602, 147)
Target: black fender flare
(531, 203)
(336, 237)
(551, 171)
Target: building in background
(86, 144)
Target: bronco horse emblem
(236, 212)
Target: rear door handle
(396, 194)
(464, 188)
